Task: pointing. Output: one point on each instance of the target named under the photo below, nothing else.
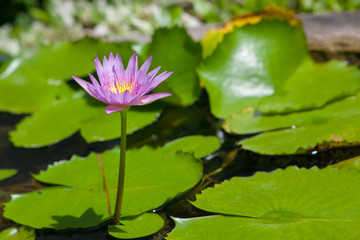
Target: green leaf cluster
(40, 84)
(260, 78)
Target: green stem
(120, 191)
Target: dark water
(175, 122)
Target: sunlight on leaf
(214, 36)
(250, 63)
(18, 233)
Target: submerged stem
(120, 191)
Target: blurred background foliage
(27, 24)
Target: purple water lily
(122, 88)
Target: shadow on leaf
(88, 219)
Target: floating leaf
(201, 146)
(53, 124)
(23, 98)
(229, 228)
(185, 56)
(106, 127)
(339, 132)
(250, 121)
(153, 176)
(34, 81)
(135, 227)
(66, 117)
(285, 204)
(250, 63)
(20, 233)
(6, 173)
(302, 132)
(313, 85)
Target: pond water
(175, 122)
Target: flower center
(121, 87)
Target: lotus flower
(122, 88)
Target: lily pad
(107, 127)
(53, 124)
(313, 85)
(153, 176)
(250, 63)
(6, 173)
(285, 204)
(341, 132)
(35, 80)
(175, 50)
(301, 132)
(134, 227)
(201, 146)
(18, 233)
(64, 118)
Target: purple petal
(84, 84)
(152, 74)
(131, 68)
(119, 67)
(99, 69)
(94, 81)
(143, 70)
(119, 99)
(159, 79)
(114, 108)
(111, 58)
(150, 98)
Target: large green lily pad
(28, 83)
(175, 50)
(153, 176)
(251, 62)
(286, 204)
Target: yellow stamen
(122, 87)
